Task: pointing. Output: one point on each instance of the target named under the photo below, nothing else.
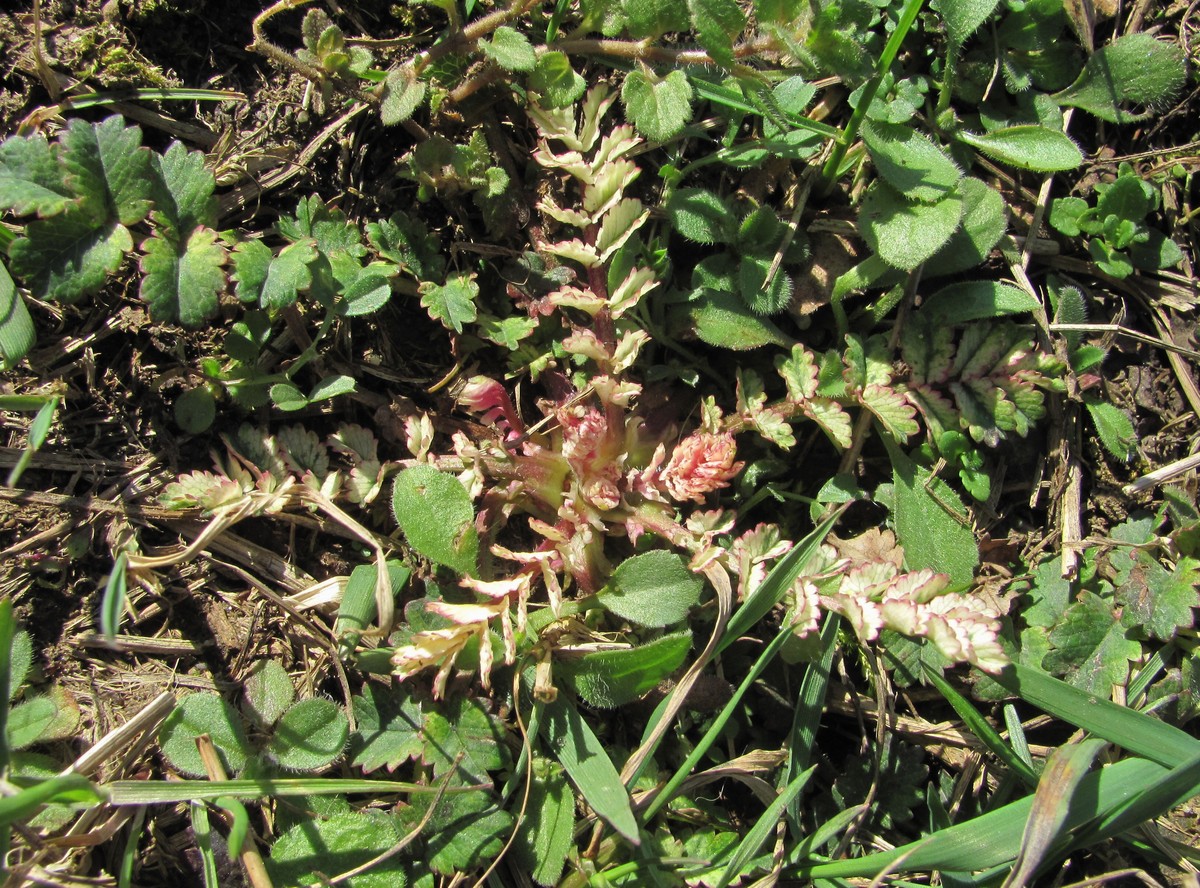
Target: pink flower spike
(700, 464)
(487, 397)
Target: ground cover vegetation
(598, 443)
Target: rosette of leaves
(736, 290)
(442, 168)
(325, 50)
(1118, 236)
(305, 735)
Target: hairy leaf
(66, 257)
(435, 512)
(462, 735)
(466, 830)
(904, 233)
(717, 23)
(389, 728)
(203, 713)
(1028, 147)
(700, 215)
(930, 522)
(607, 679)
(1136, 69)
(183, 281)
(658, 108)
(977, 300)
(652, 589)
(510, 49)
(984, 221)
(452, 303)
(1157, 599)
(268, 693)
(544, 837)
(724, 320)
(910, 162)
(555, 81)
(313, 851)
(963, 17)
(17, 334)
(1114, 428)
(310, 735)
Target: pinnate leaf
(183, 280)
(452, 303)
(1158, 599)
(389, 728)
(658, 108)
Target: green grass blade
(1127, 728)
(148, 792)
(112, 605)
(771, 591)
(154, 94)
(810, 704)
(580, 751)
(202, 827)
(979, 726)
(65, 789)
(992, 839)
(762, 829)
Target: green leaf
(1159, 600)
(930, 518)
(963, 17)
(1136, 69)
(310, 735)
(19, 662)
(268, 693)
(17, 334)
(31, 179)
(358, 607)
(580, 751)
(312, 852)
(466, 830)
(1065, 213)
(652, 589)
(659, 108)
(183, 281)
(653, 18)
(508, 332)
(1157, 252)
(331, 387)
(984, 220)
(760, 297)
(723, 319)
(700, 215)
(910, 162)
(1091, 649)
(197, 714)
(465, 735)
(904, 233)
(452, 303)
(108, 169)
(1049, 596)
(389, 728)
(544, 836)
(1114, 428)
(607, 679)
(63, 789)
(182, 188)
(717, 23)
(1027, 147)
(30, 721)
(66, 257)
(195, 410)
(977, 300)
(402, 95)
(510, 49)
(287, 397)
(435, 512)
(762, 830)
(555, 81)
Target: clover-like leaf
(452, 303)
(268, 692)
(182, 189)
(183, 280)
(659, 108)
(204, 713)
(310, 735)
(1091, 649)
